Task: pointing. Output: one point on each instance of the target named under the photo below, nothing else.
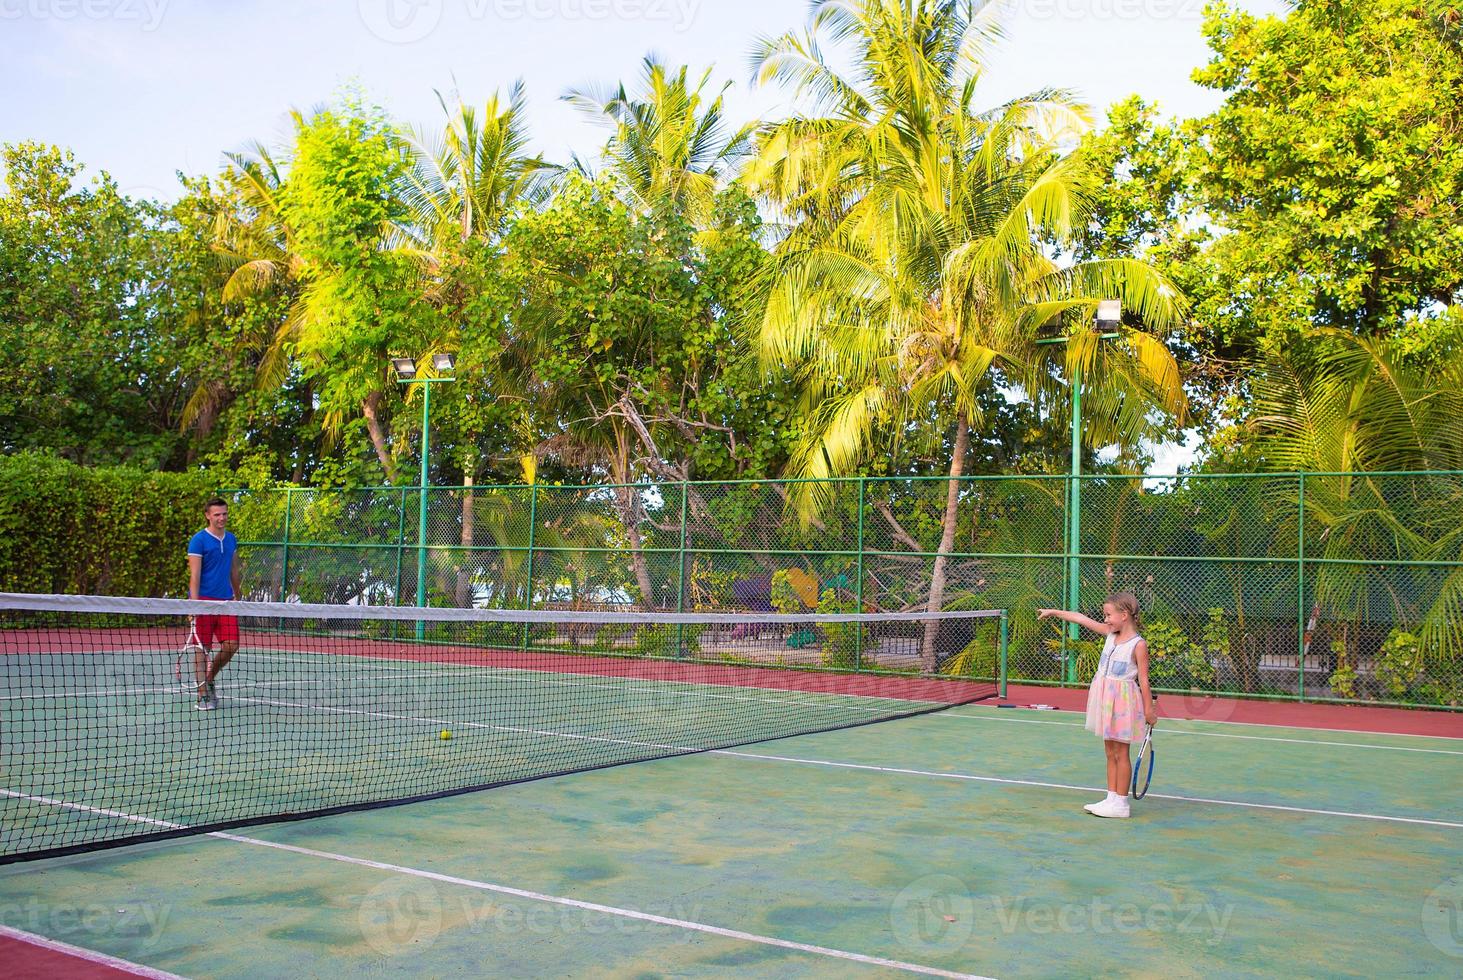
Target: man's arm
(195, 572)
(236, 577)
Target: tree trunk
(370, 408)
(947, 543)
(307, 403)
(626, 503)
(628, 514)
(466, 560)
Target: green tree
(95, 318)
(362, 295)
(917, 272)
(1334, 165)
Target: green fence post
(1001, 667)
(528, 577)
(284, 570)
(1069, 600)
(1300, 589)
(858, 583)
(681, 578)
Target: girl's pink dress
(1114, 702)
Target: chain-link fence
(1315, 586)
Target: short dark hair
(215, 502)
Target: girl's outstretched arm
(1074, 617)
(1140, 657)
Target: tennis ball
(446, 734)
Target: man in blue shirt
(213, 573)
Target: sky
(145, 88)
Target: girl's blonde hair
(1127, 602)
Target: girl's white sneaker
(1116, 807)
(1092, 807)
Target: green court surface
(950, 843)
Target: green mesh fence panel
(1230, 569)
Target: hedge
(71, 529)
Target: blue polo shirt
(215, 582)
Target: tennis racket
(185, 659)
(1143, 774)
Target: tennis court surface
(766, 829)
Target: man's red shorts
(224, 629)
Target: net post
(1300, 589)
(1001, 653)
(858, 582)
(528, 576)
(681, 578)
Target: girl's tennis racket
(186, 657)
(1143, 774)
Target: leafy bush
(1404, 675)
(1174, 661)
(784, 596)
(76, 530)
(841, 641)
(492, 634)
(978, 659)
(1343, 681)
(1089, 655)
(1399, 663)
(654, 640)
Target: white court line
(1085, 789)
(686, 924)
(656, 685)
(89, 955)
(469, 724)
(90, 693)
(621, 681)
(607, 909)
(821, 701)
(1180, 731)
(1310, 728)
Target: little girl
(1119, 702)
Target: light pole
(1109, 315)
(406, 373)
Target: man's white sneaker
(1092, 807)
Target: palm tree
(466, 180)
(918, 267)
(257, 262)
(461, 188)
(669, 153)
(1346, 408)
(670, 144)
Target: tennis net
(331, 708)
